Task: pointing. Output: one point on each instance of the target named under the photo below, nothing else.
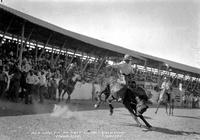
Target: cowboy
(165, 87)
(70, 70)
(125, 67)
(126, 70)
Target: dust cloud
(66, 111)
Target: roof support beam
(100, 65)
(52, 54)
(28, 38)
(83, 70)
(58, 56)
(22, 46)
(197, 79)
(17, 53)
(188, 84)
(36, 51)
(6, 30)
(43, 50)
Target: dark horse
(13, 92)
(67, 86)
(128, 95)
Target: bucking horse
(131, 97)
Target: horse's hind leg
(172, 108)
(166, 107)
(111, 108)
(130, 109)
(59, 93)
(146, 123)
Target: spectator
(43, 85)
(31, 80)
(3, 81)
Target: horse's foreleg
(68, 97)
(166, 107)
(157, 107)
(109, 100)
(63, 94)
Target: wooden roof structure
(11, 22)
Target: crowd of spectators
(37, 76)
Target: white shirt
(125, 68)
(42, 79)
(165, 85)
(32, 79)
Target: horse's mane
(141, 92)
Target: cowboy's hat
(127, 57)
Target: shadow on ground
(164, 130)
(189, 117)
(171, 132)
(146, 117)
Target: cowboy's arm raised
(117, 65)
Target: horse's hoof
(150, 127)
(139, 125)
(96, 106)
(111, 112)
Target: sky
(168, 29)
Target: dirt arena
(79, 120)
